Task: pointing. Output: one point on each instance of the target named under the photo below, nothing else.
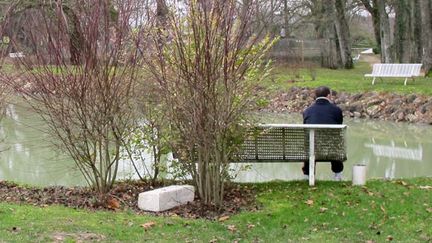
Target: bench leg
(311, 157)
(373, 80)
(406, 79)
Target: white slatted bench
(399, 70)
(294, 143)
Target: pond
(388, 149)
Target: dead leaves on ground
(322, 210)
(223, 218)
(148, 225)
(232, 228)
(426, 187)
(113, 204)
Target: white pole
(311, 157)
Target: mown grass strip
(399, 210)
(352, 81)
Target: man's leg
(337, 166)
(305, 168)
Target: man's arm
(340, 116)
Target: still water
(389, 150)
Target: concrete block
(165, 198)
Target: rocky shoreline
(411, 108)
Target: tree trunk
(324, 26)
(426, 8)
(286, 18)
(161, 12)
(386, 44)
(416, 35)
(373, 10)
(402, 43)
(343, 34)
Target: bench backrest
(396, 70)
(290, 143)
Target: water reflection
(29, 155)
(392, 151)
(388, 149)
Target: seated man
(323, 111)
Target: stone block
(165, 198)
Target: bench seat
(293, 143)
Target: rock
(411, 117)
(400, 116)
(418, 101)
(396, 101)
(166, 198)
(374, 101)
(411, 98)
(356, 97)
(372, 110)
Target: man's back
(322, 112)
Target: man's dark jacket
(322, 112)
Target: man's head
(322, 91)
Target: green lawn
(290, 211)
(352, 81)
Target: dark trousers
(336, 167)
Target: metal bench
(400, 70)
(294, 143)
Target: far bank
(414, 108)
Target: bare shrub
(207, 63)
(88, 106)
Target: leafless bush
(207, 64)
(87, 106)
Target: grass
(352, 81)
(399, 210)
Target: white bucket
(359, 175)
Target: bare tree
(87, 107)
(343, 34)
(372, 7)
(426, 19)
(207, 71)
(386, 40)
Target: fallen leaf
(383, 209)
(425, 187)
(223, 218)
(389, 238)
(113, 203)
(309, 202)
(429, 210)
(148, 225)
(370, 241)
(213, 240)
(322, 210)
(232, 228)
(250, 226)
(403, 183)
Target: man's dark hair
(322, 91)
